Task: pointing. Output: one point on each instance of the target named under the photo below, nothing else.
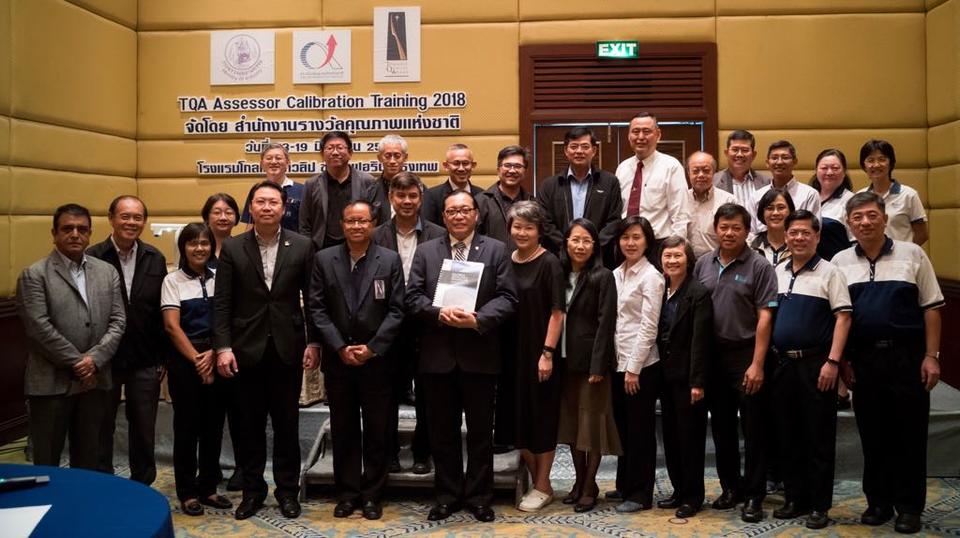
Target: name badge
(379, 289)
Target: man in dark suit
(495, 202)
(402, 234)
(73, 316)
(459, 164)
(138, 365)
(392, 155)
(356, 301)
(259, 338)
(460, 357)
(581, 191)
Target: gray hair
(529, 211)
(865, 198)
(394, 139)
(275, 145)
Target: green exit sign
(617, 49)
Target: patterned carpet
(405, 513)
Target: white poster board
(241, 57)
(396, 44)
(321, 56)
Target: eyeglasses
(796, 234)
(512, 166)
(577, 241)
(581, 147)
(781, 157)
(357, 222)
(454, 211)
(70, 228)
(332, 148)
(740, 150)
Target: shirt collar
(895, 187)
(742, 257)
(635, 268)
(417, 228)
(207, 272)
(267, 242)
(811, 265)
(72, 264)
(649, 160)
(133, 249)
(573, 177)
(706, 197)
(287, 182)
(467, 240)
(886, 249)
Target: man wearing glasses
(326, 194)
(739, 178)
(460, 357)
(459, 164)
(781, 160)
(581, 191)
(512, 162)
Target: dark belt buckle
(794, 353)
(883, 344)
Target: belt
(800, 353)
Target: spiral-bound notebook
(458, 284)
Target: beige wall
(99, 118)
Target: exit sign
(617, 49)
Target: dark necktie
(459, 253)
(633, 205)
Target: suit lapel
(476, 248)
(282, 248)
(253, 252)
(137, 270)
(341, 267)
(64, 273)
(576, 292)
(373, 265)
(392, 239)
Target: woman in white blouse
(835, 188)
(906, 218)
(639, 296)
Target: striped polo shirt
(192, 294)
(808, 301)
(890, 293)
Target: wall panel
(814, 7)
(694, 29)
(40, 145)
(6, 54)
(360, 12)
(546, 10)
(944, 183)
(120, 11)
(7, 278)
(944, 143)
(943, 63)
(210, 14)
(944, 238)
(35, 191)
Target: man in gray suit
(739, 178)
(73, 313)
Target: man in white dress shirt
(702, 202)
(652, 184)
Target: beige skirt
(586, 415)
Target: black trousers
(892, 409)
(772, 422)
(725, 397)
(405, 352)
(270, 388)
(807, 419)
(198, 413)
(78, 416)
(228, 388)
(449, 395)
(636, 418)
(684, 440)
(140, 388)
(359, 395)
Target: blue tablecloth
(87, 503)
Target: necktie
(460, 251)
(633, 205)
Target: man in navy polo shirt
(744, 292)
(894, 352)
(809, 333)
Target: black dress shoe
(817, 520)
(483, 513)
(573, 497)
(613, 495)
(345, 508)
(235, 483)
(876, 516)
(752, 511)
(289, 507)
(670, 502)
(394, 466)
(442, 511)
(191, 507)
(248, 507)
(908, 523)
(727, 500)
(217, 501)
(687, 510)
(421, 467)
(790, 510)
(372, 510)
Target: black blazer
(313, 207)
(603, 207)
(246, 312)
(379, 197)
(379, 312)
(144, 341)
(385, 235)
(442, 348)
(591, 324)
(492, 220)
(432, 209)
(686, 355)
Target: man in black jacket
(356, 300)
(138, 365)
(581, 191)
(493, 203)
(392, 155)
(459, 164)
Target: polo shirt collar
(886, 249)
(742, 257)
(895, 187)
(207, 272)
(811, 265)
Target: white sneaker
(534, 501)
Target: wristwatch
(935, 355)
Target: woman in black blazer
(684, 340)
(586, 407)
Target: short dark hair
(333, 135)
(649, 238)
(404, 180)
(579, 132)
(113, 205)
(783, 144)
(832, 152)
(76, 210)
(802, 214)
(529, 211)
(742, 135)
(768, 198)
(865, 198)
(644, 115)
(884, 147)
(358, 201)
(220, 197)
(459, 191)
(510, 151)
(268, 185)
(678, 241)
(190, 232)
(595, 264)
(731, 211)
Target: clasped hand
(455, 316)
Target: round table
(88, 503)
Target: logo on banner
(241, 57)
(321, 56)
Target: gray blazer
(313, 207)
(61, 328)
(724, 180)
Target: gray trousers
(79, 417)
